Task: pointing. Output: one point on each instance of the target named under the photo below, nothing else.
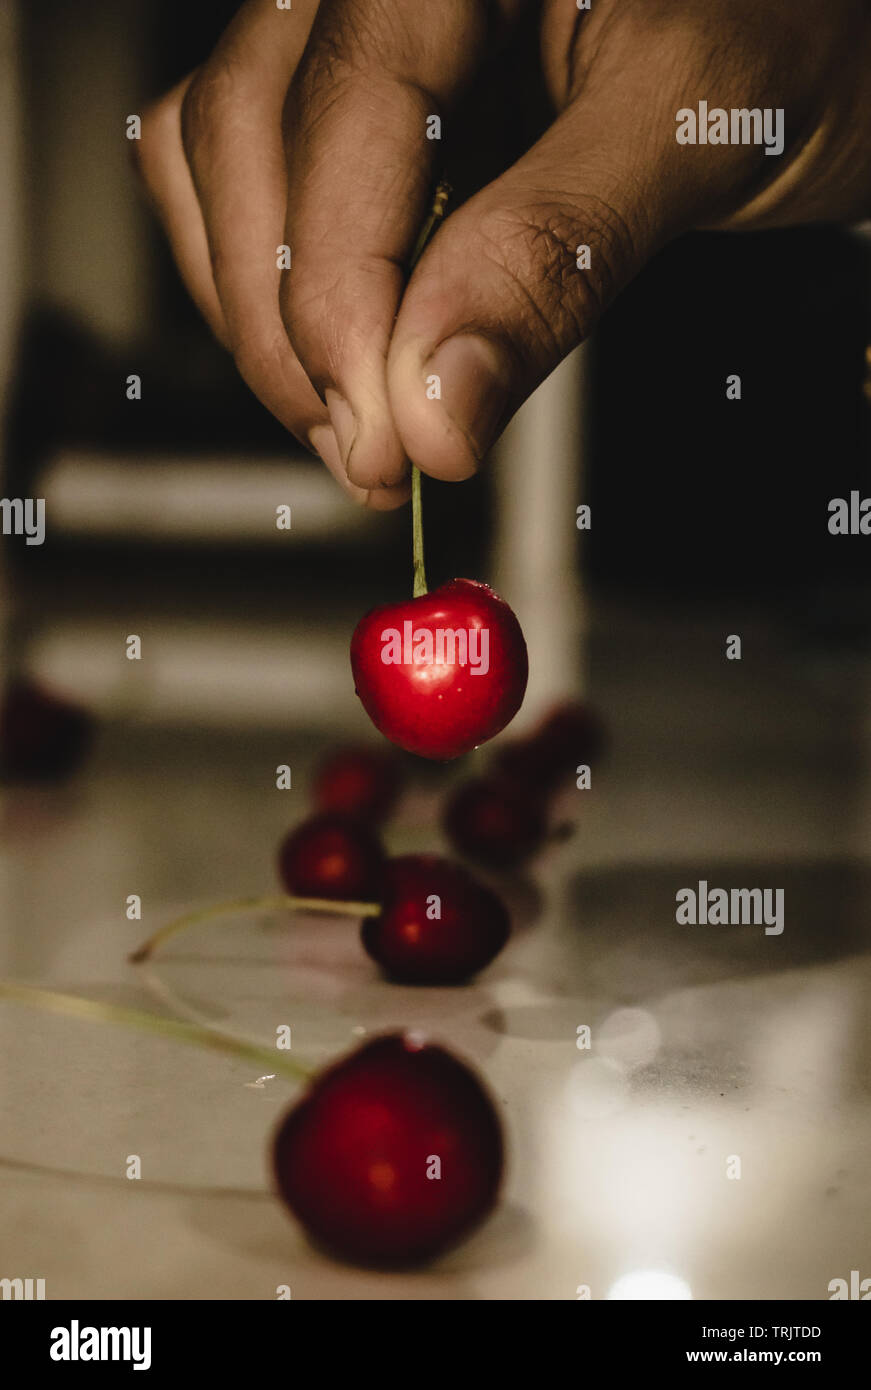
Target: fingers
(161, 163)
(519, 275)
(360, 179)
(231, 132)
(323, 440)
(212, 159)
(515, 279)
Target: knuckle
(535, 248)
(348, 47)
(352, 38)
(320, 87)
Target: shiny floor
(713, 1141)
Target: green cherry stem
(419, 587)
(434, 217)
(436, 214)
(269, 904)
(72, 1006)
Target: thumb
(519, 275)
(515, 279)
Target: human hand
(308, 127)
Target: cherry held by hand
(441, 673)
(437, 924)
(393, 1154)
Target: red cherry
(355, 1159)
(362, 782)
(332, 857)
(415, 946)
(417, 684)
(42, 736)
(496, 821)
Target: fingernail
(323, 440)
(473, 384)
(343, 422)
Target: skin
(307, 127)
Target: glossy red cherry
(393, 1154)
(441, 673)
(42, 736)
(358, 781)
(496, 821)
(332, 857)
(437, 924)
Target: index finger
(373, 85)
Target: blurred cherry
(394, 1153)
(331, 856)
(571, 735)
(520, 760)
(438, 925)
(42, 735)
(358, 781)
(496, 821)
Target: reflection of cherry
(393, 1154)
(496, 821)
(437, 924)
(42, 736)
(331, 857)
(358, 781)
(425, 696)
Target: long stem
(419, 587)
(270, 904)
(71, 1006)
(436, 213)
